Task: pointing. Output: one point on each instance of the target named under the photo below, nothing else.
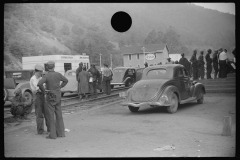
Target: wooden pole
(227, 126)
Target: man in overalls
(53, 99)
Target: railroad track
(73, 103)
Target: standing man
(83, 79)
(223, 63)
(79, 69)
(215, 63)
(169, 61)
(93, 85)
(53, 99)
(107, 77)
(146, 64)
(209, 64)
(201, 65)
(39, 100)
(194, 65)
(183, 61)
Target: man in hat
(107, 77)
(79, 69)
(39, 100)
(169, 61)
(201, 65)
(20, 107)
(215, 63)
(222, 63)
(209, 64)
(95, 76)
(194, 65)
(183, 61)
(53, 99)
(146, 64)
(83, 79)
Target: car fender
(127, 78)
(25, 86)
(169, 90)
(197, 88)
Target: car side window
(180, 72)
(185, 74)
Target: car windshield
(118, 74)
(19, 75)
(157, 73)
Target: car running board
(188, 100)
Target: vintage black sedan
(163, 85)
(123, 76)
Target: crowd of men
(47, 96)
(91, 80)
(219, 63)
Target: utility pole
(100, 61)
(111, 59)
(143, 48)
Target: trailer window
(67, 66)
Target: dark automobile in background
(126, 76)
(163, 85)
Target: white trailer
(62, 62)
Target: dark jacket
(183, 61)
(95, 73)
(194, 61)
(200, 60)
(52, 80)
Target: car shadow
(163, 109)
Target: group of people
(46, 99)
(91, 80)
(219, 62)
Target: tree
(151, 38)
(77, 30)
(172, 39)
(65, 29)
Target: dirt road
(113, 131)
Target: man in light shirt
(39, 100)
(222, 63)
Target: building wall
(135, 62)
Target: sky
(222, 7)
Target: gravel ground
(113, 131)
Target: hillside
(51, 28)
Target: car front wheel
(200, 100)
(133, 109)
(174, 104)
(28, 96)
(128, 83)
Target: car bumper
(117, 83)
(144, 104)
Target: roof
(138, 49)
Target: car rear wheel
(28, 96)
(200, 100)
(5, 95)
(133, 109)
(174, 104)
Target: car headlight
(163, 99)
